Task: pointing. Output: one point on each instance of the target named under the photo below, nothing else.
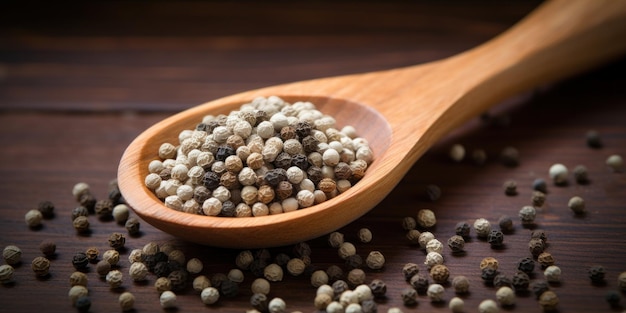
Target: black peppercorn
(456, 244)
(502, 280)
(581, 175)
(339, 287)
(342, 171)
(201, 193)
(104, 209)
(88, 201)
(257, 266)
(263, 254)
(510, 188)
(526, 265)
(354, 261)
(303, 129)
(309, 143)
(334, 273)
(79, 211)
(420, 283)
(275, 176)
(259, 302)
(520, 281)
(495, 238)
(301, 249)
(117, 241)
(593, 139)
(539, 184)
(178, 279)
(211, 180)
(539, 287)
(46, 208)
(488, 274)
(509, 157)
(433, 192)
(462, 229)
(378, 287)
(596, 274)
(228, 209)
(300, 161)
(229, 288)
(314, 173)
(115, 195)
(80, 261)
(613, 298)
(282, 259)
(223, 152)
(161, 269)
(83, 304)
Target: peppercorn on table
(483, 220)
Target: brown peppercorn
(117, 241)
(41, 266)
(104, 209)
(510, 188)
(92, 254)
(549, 301)
(334, 273)
(456, 244)
(460, 284)
(178, 279)
(132, 226)
(409, 270)
(440, 273)
(356, 277)
(426, 218)
(327, 185)
(46, 208)
(375, 260)
(538, 198)
(103, 267)
(581, 175)
(78, 278)
(489, 262)
(536, 246)
(354, 261)
(343, 171)
(48, 247)
(545, 259)
(88, 201)
(81, 224)
(540, 234)
(259, 301)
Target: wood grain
(56, 132)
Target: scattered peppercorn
(456, 305)
(365, 235)
(33, 218)
(505, 296)
(527, 215)
(114, 279)
(126, 301)
(457, 152)
(539, 287)
(259, 302)
(482, 227)
(526, 265)
(132, 225)
(83, 304)
(509, 157)
(613, 298)
(168, 300)
(536, 246)
(46, 208)
(596, 274)
(538, 198)
(117, 241)
(489, 262)
(440, 273)
(76, 292)
(456, 244)
(520, 281)
(558, 173)
(378, 287)
(510, 188)
(420, 283)
(552, 274)
(413, 235)
(426, 218)
(433, 192)
(593, 139)
(41, 266)
(409, 296)
(545, 259)
(460, 284)
(354, 261)
(495, 238)
(78, 278)
(104, 209)
(80, 261)
(435, 292)
(581, 174)
(539, 184)
(549, 301)
(81, 224)
(79, 211)
(6, 274)
(462, 229)
(577, 205)
(615, 163)
(488, 274)
(375, 260)
(506, 224)
(502, 280)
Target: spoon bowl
(401, 112)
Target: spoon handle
(557, 40)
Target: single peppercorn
(92, 254)
(80, 261)
(488, 274)
(440, 273)
(538, 198)
(420, 283)
(334, 273)
(76, 292)
(593, 139)
(33, 218)
(539, 287)
(460, 284)
(126, 301)
(6, 274)
(132, 225)
(545, 259)
(506, 224)
(409, 296)
(621, 281)
(482, 227)
(46, 208)
(435, 292)
(558, 173)
(103, 268)
(259, 302)
(526, 265)
(510, 188)
(456, 244)
(81, 224)
(536, 246)
(104, 209)
(433, 192)
(378, 287)
(78, 278)
(581, 175)
(426, 218)
(577, 205)
(613, 298)
(178, 279)
(520, 281)
(462, 229)
(509, 156)
(117, 241)
(489, 262)
(79, 211)
(48, 247)
(527, 215)
(495, 238)
(83, 304)
(354, 261)
(596, 274)
(409, 270)
(502, 280)
(375, 260)
(41, 266)
(539, 184)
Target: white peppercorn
(78, 278)
(126, 301)
(168, 299)
(558, 173)
(394, 310)
(576, 204)
(121, 213)
(138, 271)
(347, 297)
(200, 283)
(433, 258)
(456, 305)
(365, 235)
(334, 307)
(346, 249)
(12, 254)
(488, 306)
(615, 162)
(260, 285)
(114, 279)
(111, 256)
(549, 301)
(435, 292)
(424, 238)
(6, 273)
(76, 292)
(505, 296)
(319, 278)
(375, 260)
(322, 300)
(235, 275)
(354, 308)
(434, 245)
(482, 227)
(426, 218)
(363, 292)
(552, 274)
(135, 255)
(457, 152)
(33, 218)
(277, 305)
(527, 214)
(194, 266)
(209, 295)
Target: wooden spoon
(401, 112)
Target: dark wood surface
(78, 83)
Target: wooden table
(78, 84)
